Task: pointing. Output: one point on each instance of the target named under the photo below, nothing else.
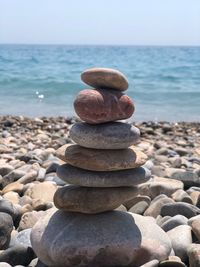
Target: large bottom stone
(115, 238)
(92, 200)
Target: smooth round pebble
(158, 185)
(181, 238)
(43, 191)
(129, 204)
(29, 218)
(17, 255)
(7, 207)
(111, 135)
(6, 227)
(156, 205)
(181, 208)
(139, 208)
(173, 222)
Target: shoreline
(75, 119)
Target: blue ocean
(42, 80)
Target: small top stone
(105, 78)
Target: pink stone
(100, 105)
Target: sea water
(43, 80)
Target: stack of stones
(103, 166)
(102, 171)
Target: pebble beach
(28, 181)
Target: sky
(117, 22)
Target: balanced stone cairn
(102, 170)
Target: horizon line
(65, 44)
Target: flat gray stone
(101, 159)
(5, 169)
(11, 177)
(78, 176)
(139, 207)
(160, 220)
(17, 255)
(181, 208)
(188, 177)
(92, 200)
(113, 238)
(112, 135)
(174, 222)
(105, 78)
(181, 196)
(129, 204)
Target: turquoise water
(37, 80)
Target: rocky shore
(28, 181)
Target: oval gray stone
(6, 226)
(77, 176)
(139, 208)
(156, 205)
(92, 200)
(105, 78)
(181, 238)
(129, 204)
(181, 208)
(109, 239)
(174, 222)
(112, 135)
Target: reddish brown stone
(99, 106)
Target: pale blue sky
(131, 22)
